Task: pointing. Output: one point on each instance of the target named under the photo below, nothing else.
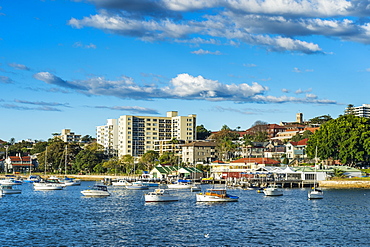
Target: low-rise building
(198, 152)
(20, 164)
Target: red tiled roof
(18, 159)
(266, 161)
(300, 143)
(218, 162)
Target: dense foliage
(346, 138)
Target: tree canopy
(202, 132)
(346, 138)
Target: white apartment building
(360, 111)
(138, 134)
(68, 136)
(107, 135)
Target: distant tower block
(299, 117)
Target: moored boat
(216, 195)
(10, 181)
(47, 186)
(160, 195)
(316, 193)
(9, 189)
(180, 184)
(96, 191)
(137, 186)
(120, 182)
(195, 188)
(273, 190)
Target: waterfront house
(296, 151)
(20, 164)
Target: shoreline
(345, 184)
(335, 184)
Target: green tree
(169, 158)
(127, 163)
(149, 159)
(321, 119)
(202, 132)
(111, 165)
(87, 159)
(346, 138)
(338, 173)
(304, 135)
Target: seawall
(345, 184)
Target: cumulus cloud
(183, 86)
(273, 24)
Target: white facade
(107, 136)
(137, 134)
(68, 136)
(361, 111)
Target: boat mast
(46, 155)
(65, 162)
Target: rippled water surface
(67, 218)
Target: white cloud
(273, 24)
(204, 52)
(19, 66)
(183, 86)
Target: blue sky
(74, 64)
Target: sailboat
(315, 193)
(44, 185)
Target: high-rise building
(138, 134)
(107, 135)
(360, 111)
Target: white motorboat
(9, 189)
(160, 195)
(137, 186)
(120, 182)
(70, 181)
(180, 184)
(96, 191)
(273, 190)
(216, 195)
(10, 181)
(32, 179)
(47, 186)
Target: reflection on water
(61, 218)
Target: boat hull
(160, 198)
(11, 191)
(315, 195)
(179, 186)
(273, 192)
(47, 187)
(137, 187)
(208, 198)
(95, 193)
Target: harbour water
(67, 218)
